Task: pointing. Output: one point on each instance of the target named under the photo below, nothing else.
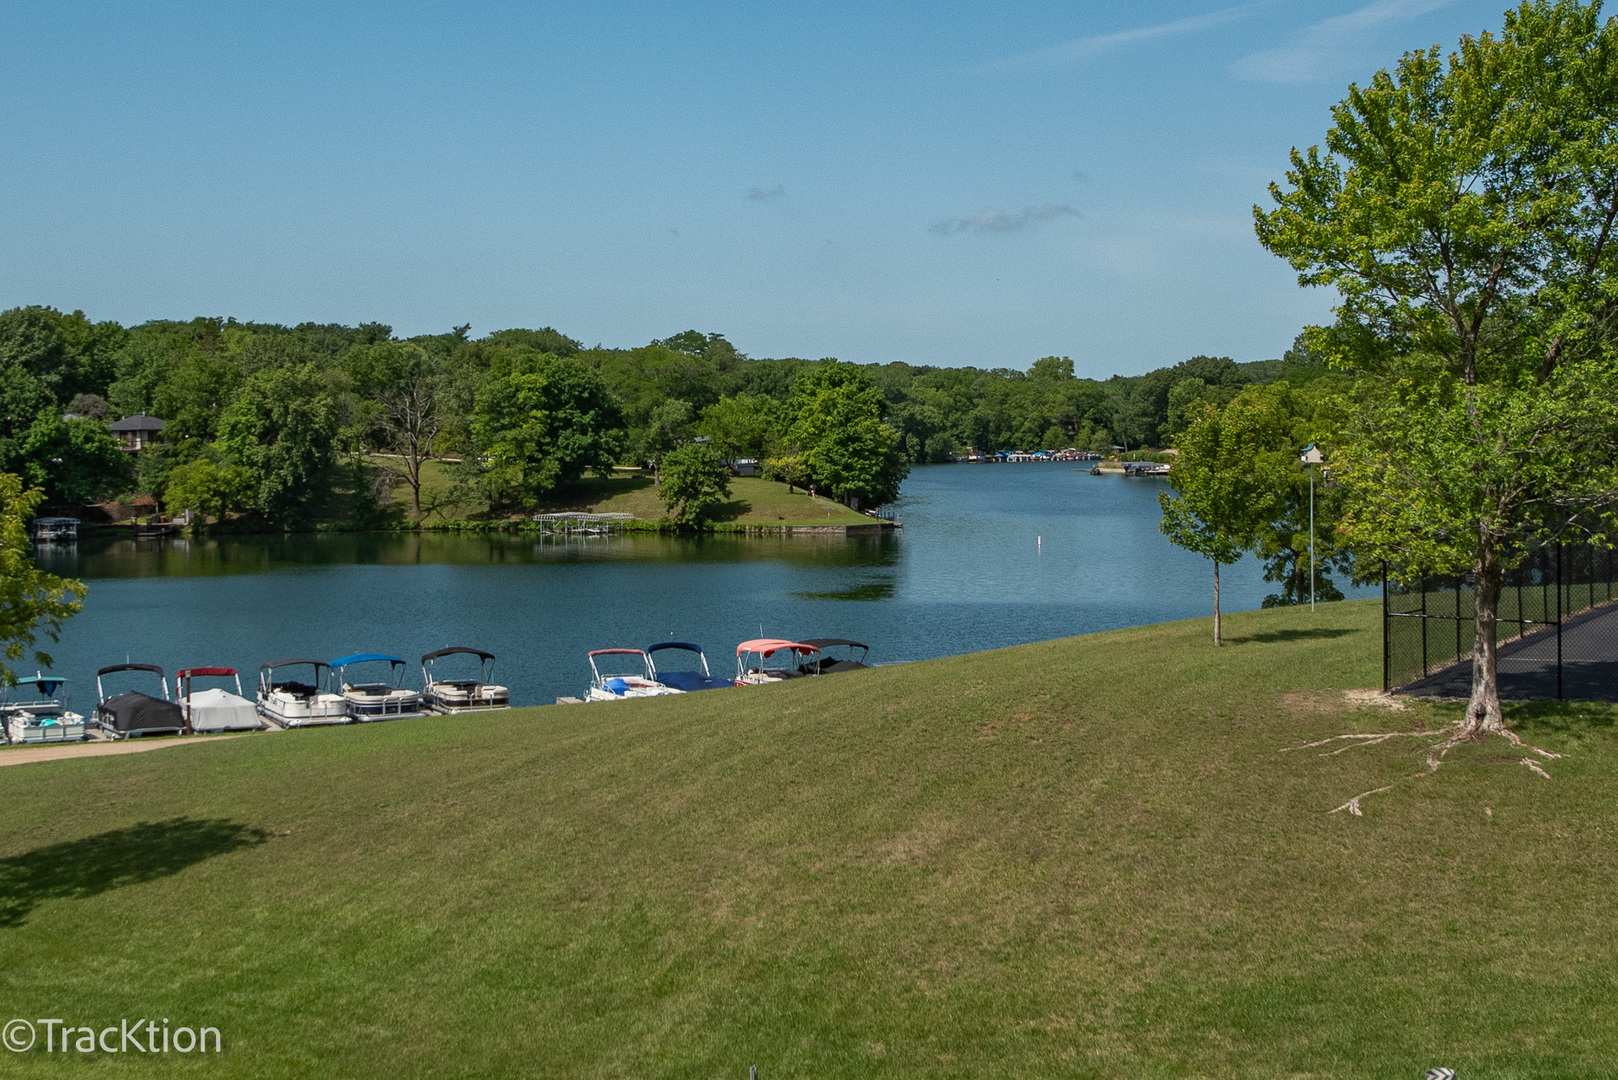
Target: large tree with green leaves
(846, 447)
(1464, 211)
(32, 602)
(282, 429)
(695, 483)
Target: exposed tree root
(1436, 752)
(1372, 739)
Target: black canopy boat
(134, 713)
(845, 659)
(462, 695)
(689, 680)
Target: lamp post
(1312, 457)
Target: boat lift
(580, 524)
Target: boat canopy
(364, 657)
(768, 647)
(288, 663)
(45, 684)
(686, 645)
(454, 649)
(129, 667)
(829, 642)
(202, 672)
(609, 652)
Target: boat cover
(686, 645)
(220, 710)
(828, 642)
(453, 650)
(133, 712)
(360, 658)
(691, 681)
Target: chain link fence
(1557, 629)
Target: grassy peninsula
(1087, 857)
(754, 502)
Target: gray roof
(138, 422)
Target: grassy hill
(753, 501)
(1079, 858)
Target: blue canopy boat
(689, 680)
(382, 700)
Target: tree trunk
(1217, 640)
(1483, 716)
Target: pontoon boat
(35, 710)
(294, 703)
(386, 700)
(133, 712)
(789, 657)
(462, 695)
(215, 709)
(828, 662)
(688, 679)
(614, 676)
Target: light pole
(1312, 457)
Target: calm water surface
(990, 555)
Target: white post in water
(1312, 457)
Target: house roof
(138, 422)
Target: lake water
(990, 555)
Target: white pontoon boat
(381, 700)
(35, 710)
(614, 676)
(462, 695)
(294, 703)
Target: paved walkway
(27, 755)
(1528, 665)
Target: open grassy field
(1081, 858)
(752, 501)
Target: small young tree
(695, 484)
(32, 602)
(1234, 464)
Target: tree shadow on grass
(731, 510)
(1270, 637)
(1537, 719)
(78, 869)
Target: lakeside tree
(73, 462)
(539, 421)
(695, 484)
(1464, 211)
(399, 384)
(1233, 466)
(32, 602)
(282, 430)
(837, 419)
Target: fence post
(1387, 662)
(1560, 607)
(1424, 626)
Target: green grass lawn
(752, 501)
(1079, 858)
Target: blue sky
(946, 183)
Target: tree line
(268, 420)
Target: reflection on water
(989, 556)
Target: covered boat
(776, 659)
(292, 702)
(133, 712)
(462, 695)
(215, 708)
(849, 656)
(688, 679)
(385, 699)
(615, 676)
(35, 710)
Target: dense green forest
(268, 421)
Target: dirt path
(27, 755)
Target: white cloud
(998, 221)
(1320, 50)
(1085, 47)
